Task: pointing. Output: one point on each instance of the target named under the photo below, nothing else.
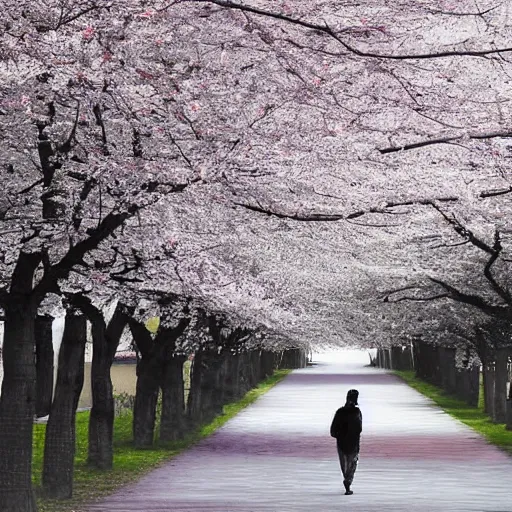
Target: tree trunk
(500, 386)
(433, 366)
(146, 398)
(388, 358)
(44, 365)
(236, 381)
(59, 447)
(416, 354)
(17, 401)
(428, 362)
(508, 425)
(172, 423)
(148, 385)
(101, 420)
(211, 392)
(484, 387)
(474, 385)
(194, 396)
(489, 388)
(396, 358)
(448, 369)
(150, 374)
(410, 357)
(241, 373)
(254, 361)
(267, 363)
(230, 380)
(289, 359)
(222, 396)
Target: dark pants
(348, 463)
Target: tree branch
(99, 122)
(465, 232)
(494, 252)
(325, 29)
(502, 292)
(326, 217)
(313, 217)
(418, 299)
(141, 336)
(410, 202)
(444, 140)
(448, 13)
(473, 300)
(30, 187)
(66, 146)
(494, 193)
(76, 253)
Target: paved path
(277, 456)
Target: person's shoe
(348, 492)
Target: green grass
(473, 417)
(129, 463)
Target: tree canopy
(298, 166)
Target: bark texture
(17, 402)
(172, 423)
(59, 449)
(148, 385)
(150, 376)
(500, 386)
(44, 365)
(101, 421)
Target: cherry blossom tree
(78, 163)
(282, 163)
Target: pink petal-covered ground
(277, 455)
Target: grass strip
(473, 417)
(129, 463)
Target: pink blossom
(286, 8)
(88, 33)
(144, 74)
(99, 278)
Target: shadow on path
(343, 379)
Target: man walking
(346, 427)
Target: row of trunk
(217, 378)
(394, 358)
(437, 365)
(497, 375)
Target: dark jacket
(346, 427)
